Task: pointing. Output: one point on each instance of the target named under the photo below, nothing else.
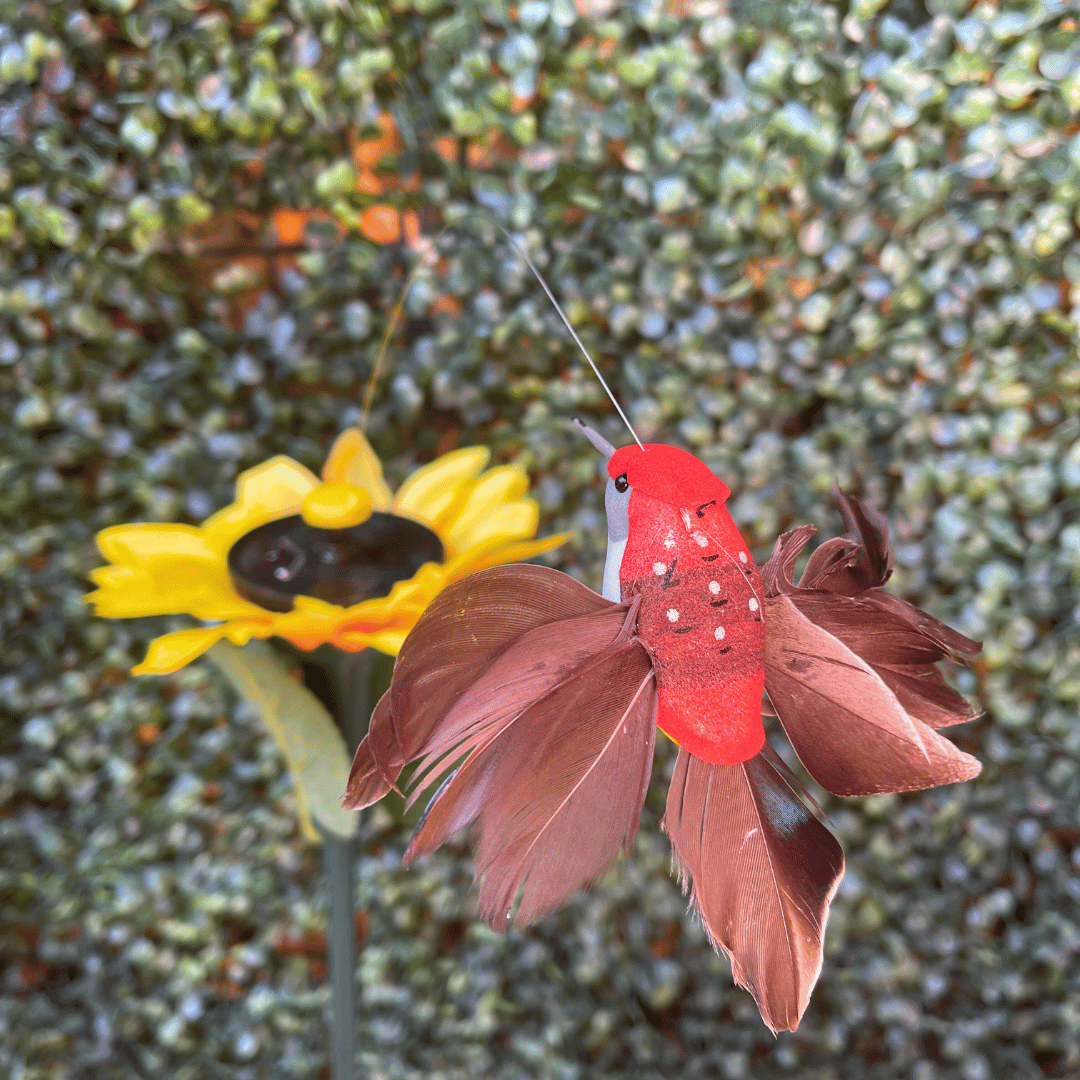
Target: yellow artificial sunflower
(343, 561)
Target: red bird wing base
(531, 703)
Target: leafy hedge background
(808, 241)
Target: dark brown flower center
(276, 562)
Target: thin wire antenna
(395, 314)
(376, 370)
(391, 326)
(573, 333)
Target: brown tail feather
(761, 869)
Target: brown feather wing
(869, 562)
(778, 574)
(761, 869)
(368, 783)
(877, 632)
(923, 691)
(557, 792)
(529, 668)
(899, 641)
(951, 642)
(544, 710)
(468, 626)
(848, 728)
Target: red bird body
(702, 603)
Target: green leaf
(309, 739)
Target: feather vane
(761, 870)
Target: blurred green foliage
(809, 241)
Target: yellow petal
(495, 555)
(241, 631)
(222, 604)
(386, 641)
(132, 545)
(173, 651)
(266, 492)
(224, 528)
(109, 577)
(133, 600)
(370, 621)
(430, 491)
(407, 598)
(352, 461)
(311, 622)
(138, 594)
(276, 485)
(179, 576)
(163, 569)
(505, 484)
(510, 521)
(313, 607)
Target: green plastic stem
(353, 678)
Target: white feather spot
(783, 814)
(686, 519)
(669, 543)
(719, 633)
(701, 539)
(742, 556)
(714, 588)
(753, 603)
(659, 569)
(672, 615)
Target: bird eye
(621, 483)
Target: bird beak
(596, 439)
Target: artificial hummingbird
(533, 702)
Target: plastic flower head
(343, 560)
(543, 698)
